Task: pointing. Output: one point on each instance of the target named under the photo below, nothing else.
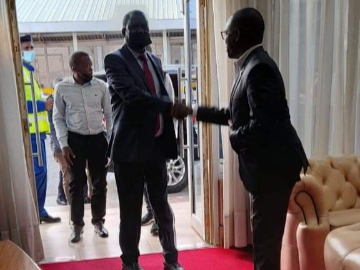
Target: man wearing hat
(28, 56)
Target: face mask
(138, 40)
(29, 56)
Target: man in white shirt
(80, 104)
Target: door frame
(208, 135)
(16, 48)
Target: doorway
(187, 204)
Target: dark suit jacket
(270, 152)
(135, 110)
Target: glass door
(192, 149)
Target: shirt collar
(136, 54)
(75, 83)
(240, 62)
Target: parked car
(176, 168)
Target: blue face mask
(29, 56)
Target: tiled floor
(57, 248)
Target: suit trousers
(90, 148)
(147, 200)
(268, 217)
(130, 180)
(61, 192)
(64, 174)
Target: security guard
(28, 55)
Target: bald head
(244, 29)
(135, 14)
(250, 22)
(75, 58)
(136, 30)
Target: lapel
(158, 71)
(133, 63)
(239, 78)
(235, 87)
(236, 83)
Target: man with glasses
(270, 152)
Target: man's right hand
(68, 155)
(180, 111)
(49, 104)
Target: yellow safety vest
(43, 120)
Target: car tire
(177, 174)
(174, 186)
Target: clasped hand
(180, 111)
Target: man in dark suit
(142, 139)
(270, 152)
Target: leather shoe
(87, 200)
(134, 266)
(172, 266)
(61, 201)
(49, 219)
(101, 230)
(147, 219)
(154, 229)
(76, 233)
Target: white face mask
(29, 56)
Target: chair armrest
(311, 242)
(308, 198)
(307, 226)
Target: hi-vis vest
(43, 120)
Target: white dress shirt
(241, 61)
(81, 108)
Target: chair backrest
(340, 180)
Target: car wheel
(176, 175)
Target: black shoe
(87, 200)
(76, 232)
(61, 201)
(147, 219)
(154, 229)
(49, 219)
(172, 266)
(101, 230)
(134, 266)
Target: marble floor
(58, 248)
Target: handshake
(180, 111)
